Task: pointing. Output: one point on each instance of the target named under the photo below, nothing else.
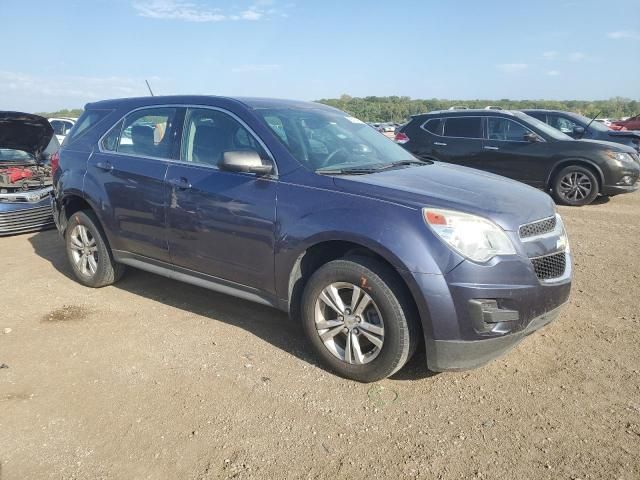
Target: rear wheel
(88, 252)
(358, 319)
(576, 186)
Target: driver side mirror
(578, 131)
(531, 137)
(245, 161)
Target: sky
(64, 54)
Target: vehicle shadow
(269, 324)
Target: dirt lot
(156, 379)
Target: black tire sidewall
(585, 201)
(104, 273)
(397, 346)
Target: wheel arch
(321, 252)
(582, 162)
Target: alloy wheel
(349, 323)
(575, 186)
(84, 250)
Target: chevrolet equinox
(307, 209)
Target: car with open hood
(307, 209)
(27, 143)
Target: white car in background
(61, 126)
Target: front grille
(25, 220)
(550, 266)
(538, 228)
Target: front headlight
(619, 156)
(471, 236)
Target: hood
(25, 131)
(506, 202)
(604, 145)
(625, 133)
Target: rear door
(510, 150)
(460, 141)
(221, 223)
(130, 170)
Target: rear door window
(463, 127)
(148, 133)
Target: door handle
(106, 166)
(179, 183)
(487, 147)
(440, 144)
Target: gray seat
(209, 143)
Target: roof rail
(458, 107)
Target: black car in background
(580, 127)
(518, 146)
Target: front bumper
(444, 355)
(22, 216)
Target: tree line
(399, 109)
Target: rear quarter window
(88, 120)
(433, 126)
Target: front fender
(395, 232)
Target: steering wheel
(333, 154)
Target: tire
(84, 238)
(383, 335)
(575, 186)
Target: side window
(505, 130)
(209, 133)
(562, 123)
(147, 133)
(58, 127)
(434, 126)
(463, 127)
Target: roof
(249, 102)
(469, 112)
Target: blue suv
(307, 209)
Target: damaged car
(27, 143)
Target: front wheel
(575, 186)
(358, 319)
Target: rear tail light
(55, 162)
(401, 138)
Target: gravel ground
(156, 379)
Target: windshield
(323, 140)
(8, 155)
(540, 125)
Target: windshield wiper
(403, 163)
(372, 169)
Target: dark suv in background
(518, 146)
(580, 127)
(307, 209)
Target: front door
(514, 151)
(131, 167)
(220, 223)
